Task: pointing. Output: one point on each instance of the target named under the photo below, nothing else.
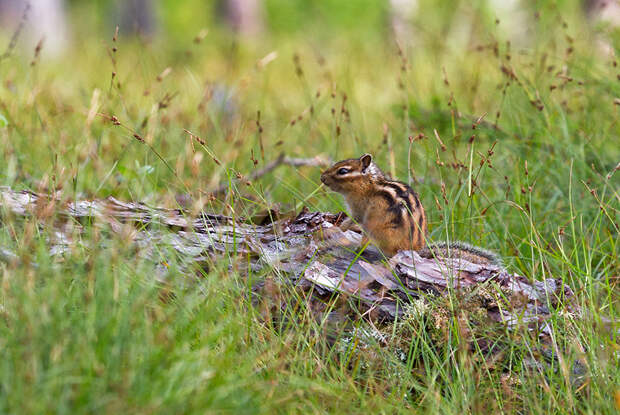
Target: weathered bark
(310, 250)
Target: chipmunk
(390, 212)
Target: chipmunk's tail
(463, 250)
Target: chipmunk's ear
(366, 159)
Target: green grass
(87, 331)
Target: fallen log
(309, 249)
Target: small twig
(316, 161)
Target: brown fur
(389, 211)
(391, 214)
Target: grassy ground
(534, 180)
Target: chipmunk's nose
(323, 178)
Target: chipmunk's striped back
(404, 210)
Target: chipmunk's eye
(343, 171)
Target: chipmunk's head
(351, 175)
